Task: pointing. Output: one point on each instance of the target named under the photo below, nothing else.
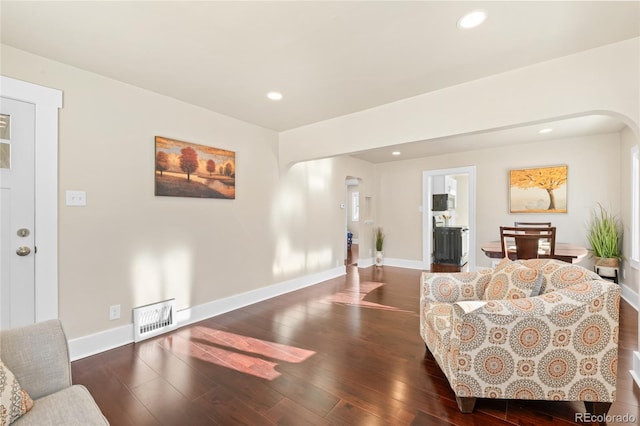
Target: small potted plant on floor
(379, 244)
(605, 236)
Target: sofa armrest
(38, 356)
(561, 344)
(450, 287)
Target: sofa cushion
(558, 274)
(14, 401)
(71, 406)
(513, 281)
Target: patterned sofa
(529, 329)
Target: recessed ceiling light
(472, 19)
(545, 130)
(274, 96)
(395, 153)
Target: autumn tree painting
(189, 161)
(162, 161)
(185, 169)
(211, 167)
(538, 190)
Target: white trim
(47, 102)
(220, 306)
(630, 296)
(404, 263)
(634, 260)
(427, 239)
(635, 372)
(85, 346)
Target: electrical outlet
(114, 312)
(76, 198)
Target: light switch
(76, 198)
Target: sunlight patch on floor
(354, 296)
(244, 354)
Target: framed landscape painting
(185, 169)
(538, 190)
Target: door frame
(47, 101)
(427, 228)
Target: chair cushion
(14, 401)
(513, 281)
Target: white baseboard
(403, 263)
(630, 296)
(92, 344)
(635, 373)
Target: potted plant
(605, 235)
(379, 244)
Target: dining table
(565, 252)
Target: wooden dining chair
(532, 243)
(532, 224)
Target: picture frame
(538, 190)
(185, 169)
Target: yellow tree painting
(540, 190)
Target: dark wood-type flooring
(343, 352)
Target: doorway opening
(352, 220)
(456, 188)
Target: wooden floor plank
(345, 351)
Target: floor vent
(156, 318)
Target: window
(635, 207)
(355, 206)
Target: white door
(17, 213)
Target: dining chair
(532, 224)
(531, 243)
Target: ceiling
(560, 129)
(327, 58)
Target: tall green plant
(605, 233)
(379, 239)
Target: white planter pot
(379, 258)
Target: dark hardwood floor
(345, 352)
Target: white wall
(401, 189)
(462, 206)
(131, 248)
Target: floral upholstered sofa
(529, 329)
